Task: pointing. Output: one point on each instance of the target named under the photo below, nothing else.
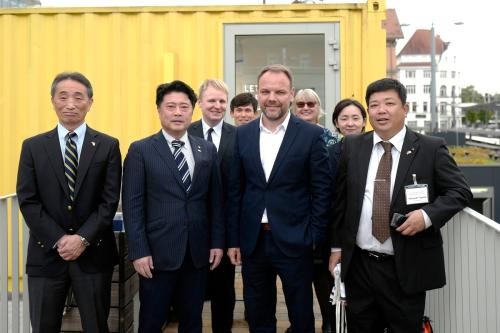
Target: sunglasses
(309, 104)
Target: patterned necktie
(209, 134)
(382, 196)
(71, 163)
(182, 165)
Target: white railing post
(14, 213)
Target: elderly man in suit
(213, 103)
(278, 202)
(171, 209)
(68, 188)
(395, 190)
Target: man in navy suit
(278, 205)
(387, 269)
(213, 102)
(68, 185)
(171, 210)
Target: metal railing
(10, 250)
(470, 301)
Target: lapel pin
(93, 143)
(199, 148)
(410, 151)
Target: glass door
(310, 50)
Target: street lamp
(434, 114)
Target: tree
(470, 95)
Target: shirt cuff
(427, 219)
(336, 249)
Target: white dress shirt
(364, 238)
(270, 143)
(216, 134)
(186, 149)
(80, 136)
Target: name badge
(416, 193)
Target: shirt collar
(184, 138)
(397, 140)
(79, 131)
(283, 125)
(217, 128)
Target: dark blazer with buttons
(225, 152)
(419, 259)
(296, 195)
(44, 201)
(161, 218)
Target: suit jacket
(161, 218)
(44, 201)
(419, 259)
(225, 152)
(296, 195)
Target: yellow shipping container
(127, 52)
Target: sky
(476, 39)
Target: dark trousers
(220, 291)
(323, 283)
(259, 272)
(157, 294)
(47, 296)
(375, 300)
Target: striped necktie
(71, 163)
(182, 165)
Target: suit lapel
(363, 160)
(224, 141)
(197, 129)
(408, 153)
(161, 146)
(290, 134)
(255, 149)
(53, 149)
(198, 151)
(89, 147)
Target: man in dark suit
(243, 108)
(277, 205)
(68, 187)
(213, 102)
(171, 209)
(389, 171)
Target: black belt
(377, 256)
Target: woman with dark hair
(349, 117)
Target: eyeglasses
(309, 104)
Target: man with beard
(278, 205)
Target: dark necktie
(182, 165)
(71, 163)
(382, 196)
(209, 134)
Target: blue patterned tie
(71, 163)
(182, 165)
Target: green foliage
(470, 95)
(474, 116)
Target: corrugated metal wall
(127, 52)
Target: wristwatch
(85, 242)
